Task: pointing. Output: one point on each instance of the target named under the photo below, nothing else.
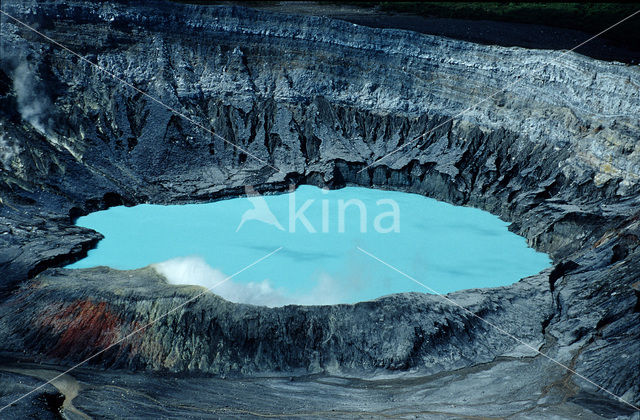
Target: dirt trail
(66, 384)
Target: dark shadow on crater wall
(555, 26)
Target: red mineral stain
(83, 328)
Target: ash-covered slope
(313, 100)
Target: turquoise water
(445, 247)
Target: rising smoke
(196, 271)
(8, 150)
(33, 104)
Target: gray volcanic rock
(44, 404)
(548, 142)
(69, 316)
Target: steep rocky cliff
(309, 100)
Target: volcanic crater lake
(445, 247)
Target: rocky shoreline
(318, 99)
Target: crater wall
(547, 141)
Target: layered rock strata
(547, 141)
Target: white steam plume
(33, 105)
(8, 150)
(196, 271)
